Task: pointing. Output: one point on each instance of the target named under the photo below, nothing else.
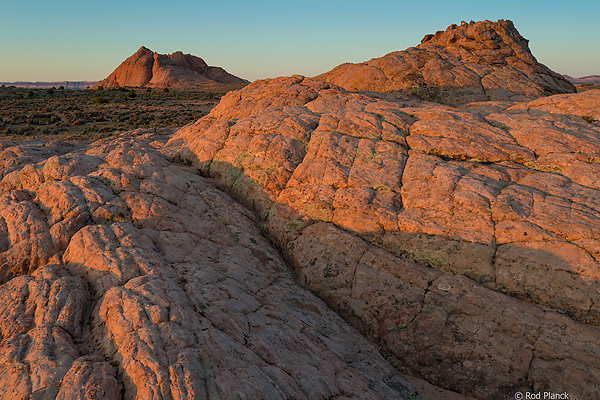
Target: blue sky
(86, 40)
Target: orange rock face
(477, 61)
(503, 193)
(149, 69)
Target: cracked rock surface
(125, 275)
(476, 61)
(504, 193)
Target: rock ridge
(584, 80)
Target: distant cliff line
(592, 80)
(75, 85)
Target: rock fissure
(494, 263)
(533, 356)
(422, 307)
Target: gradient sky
(86, 40)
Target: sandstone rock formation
(503, 193)
(475, 61)
(463, 243)
(149, 69)
(125, 275)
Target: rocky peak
(482, 31)
(151, 69)
(142, 55)
(475, 61)
(144, 50)
(480, 37)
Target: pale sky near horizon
(77, 40)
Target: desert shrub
(61, 87)
(50, 90)
(30, 93)
(166, 90)
(98, 99)
(149, 90)
(19, 95)
(100, 88)
(293, 226)
(131, 95)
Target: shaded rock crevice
(52, 361)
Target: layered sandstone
(149, 69)
(474, 61)
(494, 204)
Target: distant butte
(149, 69)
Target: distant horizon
(62, 81)
(96, 81)
(84, 41)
